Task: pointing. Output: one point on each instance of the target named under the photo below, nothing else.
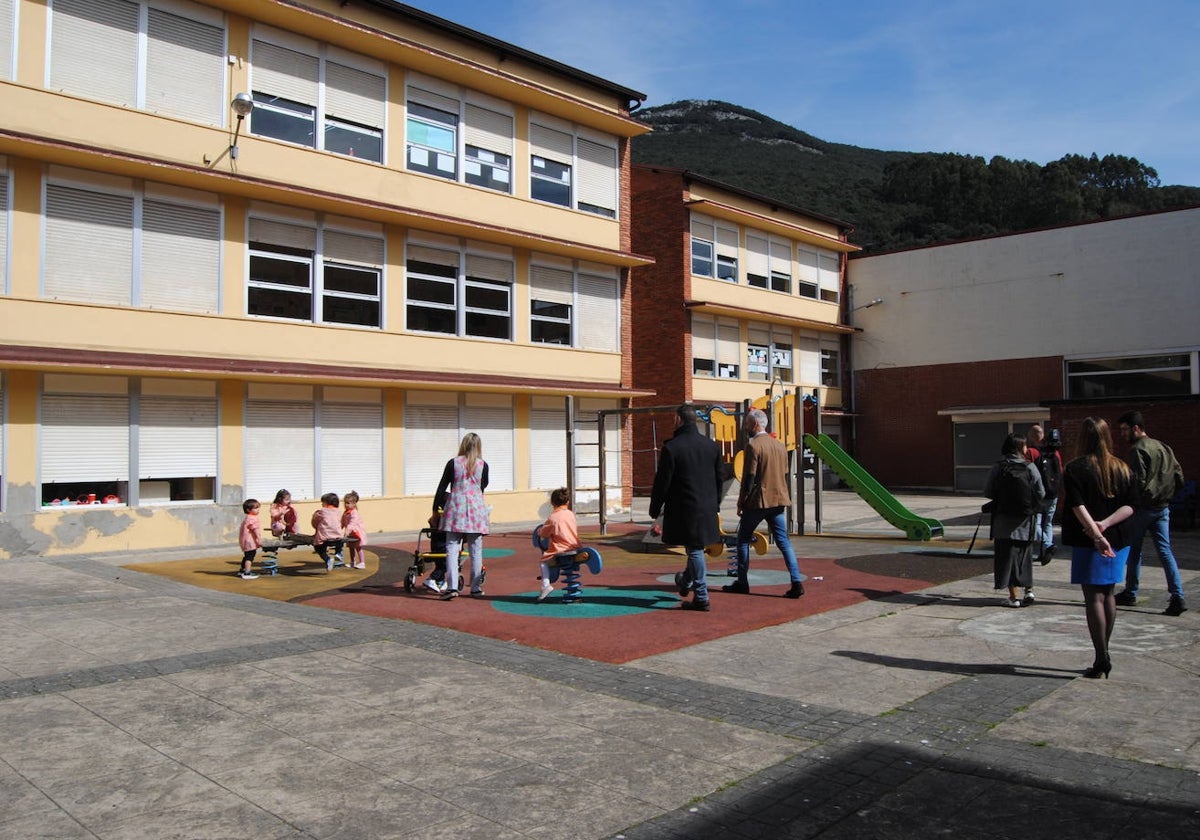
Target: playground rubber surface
(629, 611)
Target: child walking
(249, 538)
(283, 515)
(353, 527)
(327, 528)
(561, 533)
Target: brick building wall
(661, 325)
(902, 440)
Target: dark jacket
(687, 489)
(1083, 489)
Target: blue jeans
(1047, 524)
(1158, 522)
(777, 525)
(697, 572)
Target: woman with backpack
(1099, 499)
(1015, 488)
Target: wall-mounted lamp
(242, 105)
(869, 304)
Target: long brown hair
(471, 448)
(1095, 445)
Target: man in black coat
(687, 488)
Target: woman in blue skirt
(1099, 488)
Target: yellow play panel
(298, 577)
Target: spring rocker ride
(567, 565)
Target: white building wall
(1116, 287)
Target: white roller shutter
(489, 268)
(430, 439)
(280, 233)
(728, 345)
(94, 49)
(552, 284)
(89, 245)
(494, 425)
(352, 449)
(597, 175)
(354, 95)
(3, 232)
(351, 248)
(181, 257)
(488, 130)
(185, 68)
(727, 242)
(757, 261)
(177, 438)
(84, 438)
(280, 451)
(548, 143)
(285, 73)
(547, 449)
(597, 319)
(809, 273)
(6, 38)
(781, 257)
(433, 100)
(830, 270)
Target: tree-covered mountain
(897, 199)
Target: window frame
(468, 290)
(318, 261)
(1187, 365)
(579, 177)
(323, 120)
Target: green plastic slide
(875, 494)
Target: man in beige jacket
(764, 495)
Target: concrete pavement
(135, 706)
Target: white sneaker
(329, 564)
(432, 586)
(1011, 602)
(546, 590)
(247, 576)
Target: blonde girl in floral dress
(465, 519)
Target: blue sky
(1026, 80)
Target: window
(169, 60)
(434, 424)
(716, 347)
(781, 266)
(781, 355)
(758, 261)
(831, 364)
(111, 243)
(573, 168)
(300, 86)
(440, 117)
(98, 430)
(769, 353)
(1132, 376)
(830, 265)
(460, 292)
(313, 443)
(703, 251)
(4, 203)
(7, 31)
(547, 443)
(574, 304)
(552, 297)
(290, 271)
(432, 139)
(177, 441)
(727, 253)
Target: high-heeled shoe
(1100, 668)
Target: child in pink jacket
(354, 529)
(249, 538)
(327, 528)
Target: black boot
(796, 591)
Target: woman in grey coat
(1016, 491)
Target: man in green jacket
(1157, 478)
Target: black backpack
(1050, 470)
(1013, 490)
